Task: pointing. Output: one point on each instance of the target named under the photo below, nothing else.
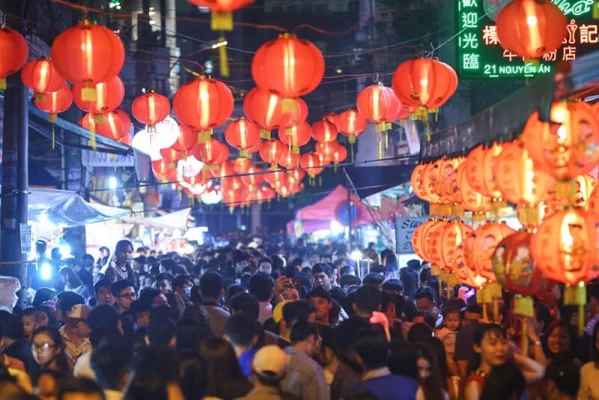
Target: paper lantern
(108, 96)
(487, 238)
(297, 114)
(164, 170)
(86, 55)
(379, 104)
(514, 267)
(41, 76)
(271, 152)
(417, 181)
(447, 181)
(116, 124)
(264, 108)
(432, 243)
(275, 178)
(151, 108)
(14, 50)
(221, 15)
(324, 131)
(332, 118)
(593, 203)
(351, 124)
(450, 237)
(339, 154)
(289, 159)
(242, 165)
(224, 170)
(327, 149)
(186, 139)
(295, 136)
(418, 242)
(429, 180)
(424, 84)
(288, 66)
(296, 174)
(203, 104)
(55, 102)
(171, 155)
(254, 176)
(242, 134)
(471, 199)
(531, 28)
(517, 178)
(211, 152)
(463, 267)
(480, 170)
(310, 162)
(572, 193)
(567, 146)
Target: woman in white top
(589, 373)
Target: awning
(371, 180)
(66, 209)
(173, 221)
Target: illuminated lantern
(517, 178)
(462, 268)
(569, 145)
(221, 17)
(41, 76)
(417, 181)
(531, 28)
(186, 139)
(296, 174)
(424, 84)
(332, 118)
(288, 66)
(450, 236)
(326, 150)
(271, 152)
(379, 104)
(324, 131)
(297, 115)
(339, 154)
(418, 242)
(116, 124)
(14, 50)
(430, 178)
(471, 199)
(203, 104)
(253, 177)
(310, 162)
(351, 124)
(514, 268)
(151, 108)
(211, 152)
(55, 102)
(480, 164)
(295, 136)
(264, 193)
(575, 192)
(487, 238)
(242, 134)
(242, 165)
(289, 159)
(171, 155)
(109, 96)
(275, 178)
(264, 108)
(447, 181)
(593, 203)
(164, 170)
(432, 240)
(86, 55)
(224, 171)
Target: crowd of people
(281, 321)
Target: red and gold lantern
(324, 131)
(151, 108)
(379, 104)
(244, 135)
(295, 136)
(264, 108)
(108, 97)
(41, 76)
(14, 50)
(55, 102)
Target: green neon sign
(480, 54)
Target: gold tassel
(295, 149)
(221, 21)
(386, 134)
(92, 141)
(265, 134)
(244, 154)
(52, 118)
(2, 83)
(88, 93)
(53, 136)
(224, 60)
(577, 295)
(428, 132)
(596, 10)
(380, 148)
(40, 97)
(99, 119)
(288, 105)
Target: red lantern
(480, 167)
(324, 131)
(271, 152)
(203, 104)
(311, 163)
(332, 118)
(296, 174)
(298, 113)
(254, 176)
(276, 178)
(450, 236)
(531, 28)
(14, 50)
(295, 136)
(242, 134)
(86, 55)
(171, 155)
(223, 171)
(379, 104)
(351, 124)
(242, 165)
(164, 170)
(568, 145)
(41, 76)
(289, 159)
(264, 108)
(55, 102)
(151, 108)
(418, 242)
(109, 96)
(339, 154)
(288, 66)
(221, 17)
(326, 150)
(487, 238)
(417, 182)
(471, 199)
(211, 152)
(186, 139)
(425, 84)
(463, 268)
(116, 124)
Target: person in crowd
(425, 302)
(49, 350)
(212, 290)
(224, 375)
(323, 275)
(80, 389)
(589, 373)
(179, 298)
(110, 362)
(47, 316)
(305, 377)
(72, 282)
(432, 385)
(164, 282)
(559, 339)
(48, 384)
(161, 332)
(562, 379)
(242, 335)
(321, 302)
(448, 334)
(367, 301)
(124, 294)
(140, 313)
(120, 266)
(293, 312)
(75, 332)
(265, 265)
(154, 375)
(269, 367)
(262, 286)
(505, 381)
(64, 302)
(338, 374)
(409, 278)
(31, 321)
(103, 292)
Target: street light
(112, 183)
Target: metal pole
(13, 210)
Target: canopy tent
(173, 221)
(333, 207)
(65, 208)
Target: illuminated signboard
(481, 56)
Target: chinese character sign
(480, 54)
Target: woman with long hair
(48, 348)
(224, 376)
(559, 340)
(119, 267)
(430, 376)
(589, 373)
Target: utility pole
(15, 166)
